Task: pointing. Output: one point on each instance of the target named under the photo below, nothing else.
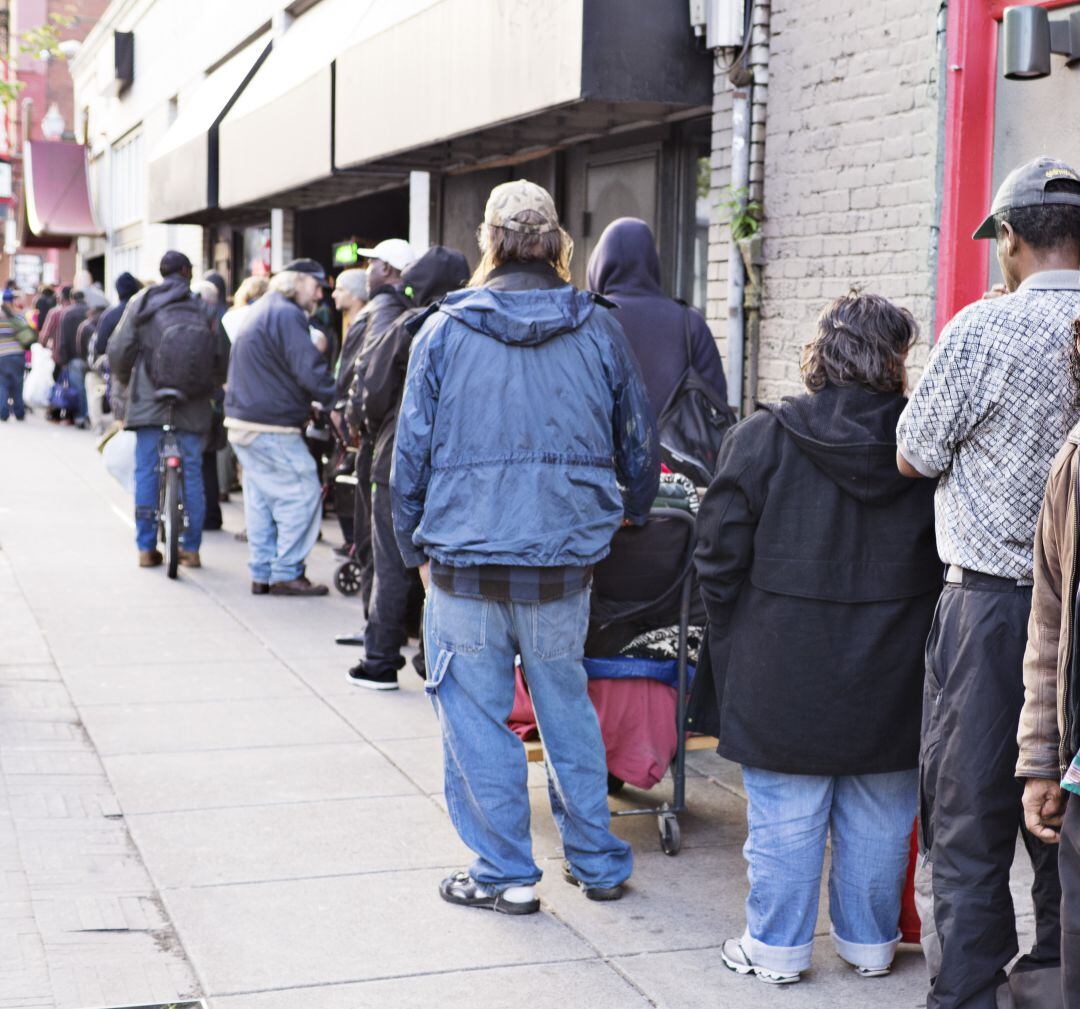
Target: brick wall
(849, 151)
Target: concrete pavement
(194, 802)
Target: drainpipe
(740, 180)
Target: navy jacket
(624, 267)
(522, 410)
(275, 372)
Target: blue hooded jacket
(521, 410)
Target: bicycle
(172, 515)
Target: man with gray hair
(275, 376)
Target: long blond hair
(501, 245)
(252, 289)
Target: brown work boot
(260, 588)
(297, 587)
(190, 559)
(150, 558)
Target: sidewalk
(239, 822)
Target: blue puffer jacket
(521, 409)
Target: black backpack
(179, 345)
(693, 423)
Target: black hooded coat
(386, 358)
(625, 268)
(819, 571)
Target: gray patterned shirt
(990, 412)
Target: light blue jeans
(869, 819)
(282, 505)
(471, 645)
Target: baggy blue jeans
(77, 369)
(282, 505)
(12, 370)
(471, 644)
(869, 819)
(147, 449)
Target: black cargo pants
(969, 799)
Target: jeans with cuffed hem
(282, 505)
(12, 371)
(471, 644)
(868, 819)
(147, 451)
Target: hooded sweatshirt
(625, 268)
(819, 570)
(523, 409)
(385, 358)
(126, 286)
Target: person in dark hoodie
(523, 411)
(624, 267)
(147, 416)
(820, 574)
(126, 286)
(374, 412)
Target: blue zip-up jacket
(522, 409)
(275, 372)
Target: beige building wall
(848, 175)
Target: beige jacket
(1050, 631)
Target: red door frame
(971, 34)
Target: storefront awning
(56, 205)
(183, 169)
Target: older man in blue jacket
(523, 409)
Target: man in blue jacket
(523, 409)
(275, 375)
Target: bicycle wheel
(171, 520)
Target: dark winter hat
(173, 262)
(126, 286)
(308, 266)
(9, 295)
(1026, 187)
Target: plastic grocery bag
(119, 456)
(38, 383)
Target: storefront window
(257, 251)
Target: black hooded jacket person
(126, 286)
(820, 574)
(625, 267)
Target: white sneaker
(735, 958)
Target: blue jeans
(12, 369)
(471, 644)
(282, 505)
(869, 819)
(147, 449)
(77, 368)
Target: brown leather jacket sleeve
(1038, 734)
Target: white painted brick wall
(847, 168)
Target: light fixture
(1030, 38)
(52, 123)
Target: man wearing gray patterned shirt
(990, 412)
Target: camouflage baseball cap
(1026, 187)
(512, 201)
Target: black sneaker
(360, 676)
(462, 889)
(592, 892)
(356, 639)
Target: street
(194, 802)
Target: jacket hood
(435, 274)
(849, 433)
(174, 288)
(625, 260)
(126, 286)
(520, 317)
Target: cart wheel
(670, 834)
(347, 578)
(614, 785)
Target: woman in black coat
(819, 572)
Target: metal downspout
(740, 180)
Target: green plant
(42, 41)
(743, 214)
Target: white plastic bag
(39, 380)
(119, 456)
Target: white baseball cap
(395, 251)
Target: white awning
(183, 169)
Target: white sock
(519, 894)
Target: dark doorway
(367, 220)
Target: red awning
(56, 203)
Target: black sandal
(462, 889)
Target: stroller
(643, 607)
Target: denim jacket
(523, 410)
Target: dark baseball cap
(173, 262)
(1026, 187)
(308, 266)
